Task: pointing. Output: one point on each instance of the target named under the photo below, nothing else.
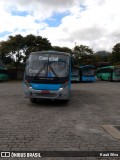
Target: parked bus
(3, 71)
(109, 73)
(87, 73)
(48, 75)
(75, 74)
(3, 74)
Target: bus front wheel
(101, 79)
(33, 100)
(110, 79)
(66, 100)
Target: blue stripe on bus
(88, 78)
(53, 87)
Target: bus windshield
(47, 65)
(88, 71)
(117, 71)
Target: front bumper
(62, 93)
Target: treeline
(15, 50)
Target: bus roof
(4, 68)
(87, 66)
(106, 67)
(116, 66)
(50, 52)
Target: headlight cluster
(64, 85)
(27, 83)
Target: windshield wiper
(53, 71)
(40, 71)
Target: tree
(115, 57)
(35, 43)
(62, 49)
(5, 55)
(19, 47)
(15, 48)
(83, 54)
(101, 58)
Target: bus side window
(107, 70)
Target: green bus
(3, 71)
(109, 73)
(3, 74)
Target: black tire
(110, 78)
(33, 100)
(66, 100)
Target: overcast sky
(95, 23)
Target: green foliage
(115, 57)
(62, 49)
(101, 57)
(20, 47)
(35, 43)
(17, 48)
(83, 55)
(4, 50)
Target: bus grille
(50, 95)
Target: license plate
(45, 91)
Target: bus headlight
(60, 89)
(64, 85)
(27, 84)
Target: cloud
(97, 26)
(64, 23)
(40, 8)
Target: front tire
(33, 100)
(110, 78)
(66, 100)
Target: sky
(65, 23)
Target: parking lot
(58, 126)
